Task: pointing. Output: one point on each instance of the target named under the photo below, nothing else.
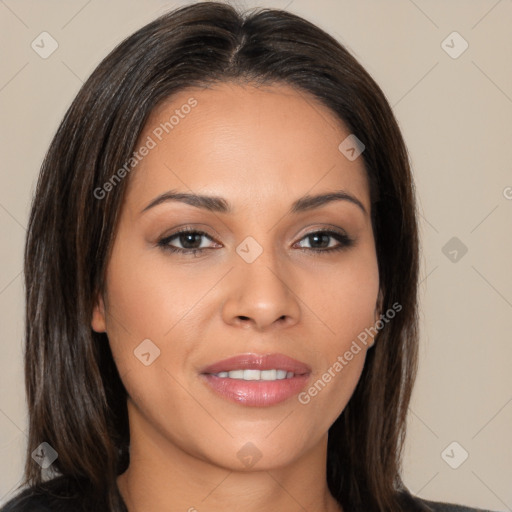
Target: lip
(257, 393)
(259, 362)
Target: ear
(98, 322)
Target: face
(278, 288)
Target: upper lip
(258, 362)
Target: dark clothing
(58, 495)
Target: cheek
(146, 312)
(149, 296)
(347, 308)
(345, 303)
(346, 299)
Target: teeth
(252, 374)
(256, 374)
(268, 374)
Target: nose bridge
(262, 291)
(260, 266)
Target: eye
(188, 238)
(319, 241)
(191, 243)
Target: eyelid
(184, 230)
(323, 227)
(345, 241)
(189, 228)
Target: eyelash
(344, 240)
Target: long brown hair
(76, 400)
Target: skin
(260, 148)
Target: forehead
(245, 139)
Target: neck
(162, 476)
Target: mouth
(257, 380)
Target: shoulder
(415, 504)
(56, 495)
(25, 502)
(437, 506)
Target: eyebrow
(220, 205)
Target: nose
(262, 294)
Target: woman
(221, 271)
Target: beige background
(455, 114)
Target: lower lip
(256, 393)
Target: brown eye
(320, 241)
(189, 239)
